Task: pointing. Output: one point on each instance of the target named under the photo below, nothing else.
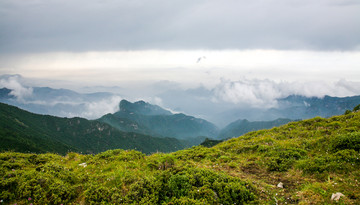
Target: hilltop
(302, 162)
(145, 118)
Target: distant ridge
(241, 127)
(142, 117)
(142, 108)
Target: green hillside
(23, 131)
(144, 118)
(312, 159)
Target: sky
(250, 52)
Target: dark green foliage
(179, 185)
(51, 179)
(347, 112)
(344, 155)
(356, 108)
(42, 182)
(210, 142)
(27, 132)
(283, 159)
(209, 187)
(346, 141)
(144, 118)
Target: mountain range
(23, 131)
(61, 102)
(148, 120)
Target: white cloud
(264, 93)
(12, 82)
(97, 109)
(254, 92)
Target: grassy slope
(312, 158)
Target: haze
(238, 53)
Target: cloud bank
(265, 93)
(12, 82)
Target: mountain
(241, 127)
(303, 162)
(197, 102)
(294, 107)
(62, 102)
(27, 132)
(306, 107)
(142, 117)
(5, 94)
(142, 108)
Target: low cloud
(13, 83)
(264, 93)
(59, 102)
(94, 110)
(253, 92)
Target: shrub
(45, 188)
(179, 185)
(144, 191)
(356, 108)
(97, 193)
(346, 141)
(282, 160)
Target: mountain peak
(142, 108)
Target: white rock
(83, 164)
(280, 185)
(336, 196)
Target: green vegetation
(144, 118)
(311, 158)
(210, 142)
(22, 131)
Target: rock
(280, 185)
(83, 164)
(336, 197)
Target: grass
(312, 158)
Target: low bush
(283, 159)
(346, 141)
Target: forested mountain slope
(23, 131)
(142, 117)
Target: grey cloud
(80, 25)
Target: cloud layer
(264, 93)
(56, 25)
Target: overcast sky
(189, 42)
